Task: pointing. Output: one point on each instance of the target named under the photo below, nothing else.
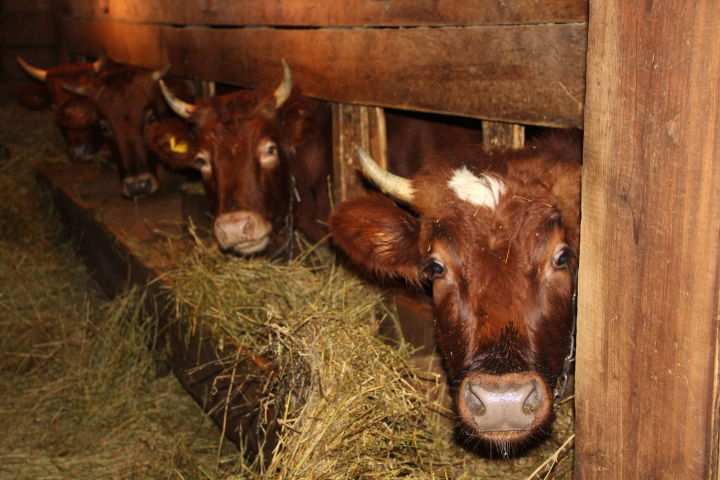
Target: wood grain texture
(502, 136)
(647, 373)
(355, 125)
(521, 74)
(330, 14)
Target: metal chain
(289, 227)
(562, 380)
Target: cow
(495, 237)
(124, 103)
(264, 157)
(81, 143)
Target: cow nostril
(533, 400)
(473, 400)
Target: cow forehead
(482, 190)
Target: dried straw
(350, 404)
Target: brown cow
(264, 157)
(125, 102)
(496, 236)
(81, 143)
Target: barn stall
(647, 344)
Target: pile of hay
(349, 405)
(78, 394)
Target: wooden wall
(647, 366)
(517, 61)
(27, 29)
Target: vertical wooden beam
(647, 367)
(353, 125)
(502, 136)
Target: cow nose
(243, 231)
(140, 185)
(503, 403)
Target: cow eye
(151, 118)
(433, 270)
(269, 154)
(562, 256)
(201, 161)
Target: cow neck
(288, 229)
(569, 362)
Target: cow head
(244, 145)
(496, 236)
(82, 138)
(124, 103)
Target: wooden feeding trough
(647, 373)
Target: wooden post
(353, 125)
(647, 366)
(502, 136)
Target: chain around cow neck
(562, 380)
(289, 224)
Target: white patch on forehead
(483, 191)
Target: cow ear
(76, 113)
(34, 95)
(173, 142)
(379, 236)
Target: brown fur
(82, 138)
(229, 128)
(501, 305)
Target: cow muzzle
(504, 408)
(140, 185)
(242, 232)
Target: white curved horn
(394, 185)
(101, 62)
(158, 74)
(282, 93)
(34, 72)
(178, 106)
(77, 90)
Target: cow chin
(254, 246)
(505, 412)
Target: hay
(78, 397)
(78, 394)
(349, 405)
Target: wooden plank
(524, 74)
(355, 125)
(323, 13)
(502, 136)
(647, 366)
(34, 29)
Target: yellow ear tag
(179, 147)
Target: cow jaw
(243, 232)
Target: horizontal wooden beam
(330, 14)
(522, 74)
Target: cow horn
(101, 62)
(180, 107)
(34, 72)
(158, 74)
(282, 93)
(77, 89)
(395, 185)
